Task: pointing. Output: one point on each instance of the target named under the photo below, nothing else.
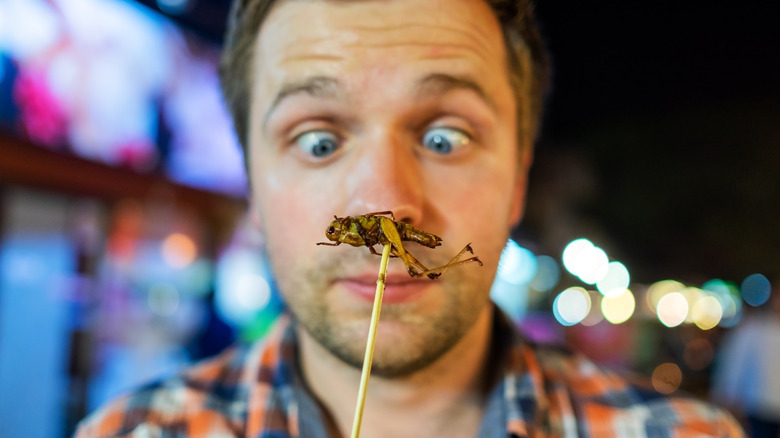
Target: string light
(617, 309)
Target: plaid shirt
(256, 392)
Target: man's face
(367, 106)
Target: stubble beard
(419, 336)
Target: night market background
(649, 238)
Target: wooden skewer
(369, 357)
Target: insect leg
(373, 251)
(437, 272)
(409, 258)
(329, 244)
(391, 233)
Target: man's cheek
(293, 222)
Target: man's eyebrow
(315, 86)
(437, 84)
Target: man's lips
(399, 287)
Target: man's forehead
(386, 10)
(378, 52)
(306, 28)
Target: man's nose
(386, 177)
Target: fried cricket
(377, 229)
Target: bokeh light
(732, 310)
(720, 287)
(174, 7)
(511, 298)
(594, 315)
(252, 292)
(615, 281)
(731, 315)
(592, 265)
(667, 378)
(692, 295)
(755, 289)
(179, 250)
(619, 308)
(658, 290)
(196, 279)
(517, 264)
(672, 309)
(547, 274)
(730, 301)
(240, 303)
(572, 252)
(707, 312)
(586, 261)
(571, 306)
(242, 290)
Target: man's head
(359, 106)
(528, 63)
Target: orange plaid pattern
(544, 392)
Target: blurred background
(649, 241)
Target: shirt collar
(516, 399)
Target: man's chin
(403, 347)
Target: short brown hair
(529, 68)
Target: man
(428, 109)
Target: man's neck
(446, 398)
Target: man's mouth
(399, 287)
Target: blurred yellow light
(667, 378)
(659, 289)
(692, 296)
(707, 312)
(617, 309)
(672, 309)
(178, 250)
(571, 306)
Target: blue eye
(318, 144)
(445, 140)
